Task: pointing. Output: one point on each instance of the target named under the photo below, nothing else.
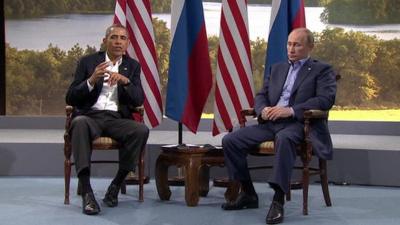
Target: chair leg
(141, 174)
(67, 179)
(324, 181)
(306, 181)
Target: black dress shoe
(111, 197)
(89, 204)
(243, 201)
(275, 213)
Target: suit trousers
(286, 133)
(131, 135)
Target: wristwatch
(127, 83)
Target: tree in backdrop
(361, 11)
(37, 81)
(386, 70)
(352, 55)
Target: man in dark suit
(106, 86)
(292, 87)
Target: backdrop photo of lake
(66, 30)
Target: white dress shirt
(108, 99)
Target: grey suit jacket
(129, 96)
(314, 88)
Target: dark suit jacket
(314, 88)
(129, 96)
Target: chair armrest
(244, 113)
(137, 113)
(248, 112)
(138, 109)
(316, 114)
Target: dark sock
(279, 195)
(84, 179)
(120, 177)
(247, 187)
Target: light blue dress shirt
(290, 79)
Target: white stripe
(142, 45)
(274, 12)
(230, 65)
(131, 52)
(151, 98)
(146, 18)
(176, 10)
(226, 98)
(218, 119)
(239, 43)
(120, 14)
(243, 11)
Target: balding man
(299, 84)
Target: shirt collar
(301, 61)
(118, 62)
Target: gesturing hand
(99, 72)
(117, 78)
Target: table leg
(161, 174)
(192, 167)
(204, 178)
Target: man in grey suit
(292, 87)
(106, 86)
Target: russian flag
(189, 75)
(286, 15)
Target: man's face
(297, 46)
(116, 42)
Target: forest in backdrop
(37, 80)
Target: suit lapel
(277, 84)
(101, 58)
(304, 71)
(123, 67)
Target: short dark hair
(115, 25)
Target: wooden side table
(196, 161)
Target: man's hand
(99, 72)
(276, 112)
(117, 78)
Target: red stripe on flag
(230, 87)
(240, 25)
(222, 110)
(236, 59)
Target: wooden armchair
(103, 144)
(305, 152)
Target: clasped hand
(276, 112)
(113, 77)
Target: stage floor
(39, 201)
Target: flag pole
(180, 133)
(179, 180)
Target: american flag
(135, 15)
(234, 89)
